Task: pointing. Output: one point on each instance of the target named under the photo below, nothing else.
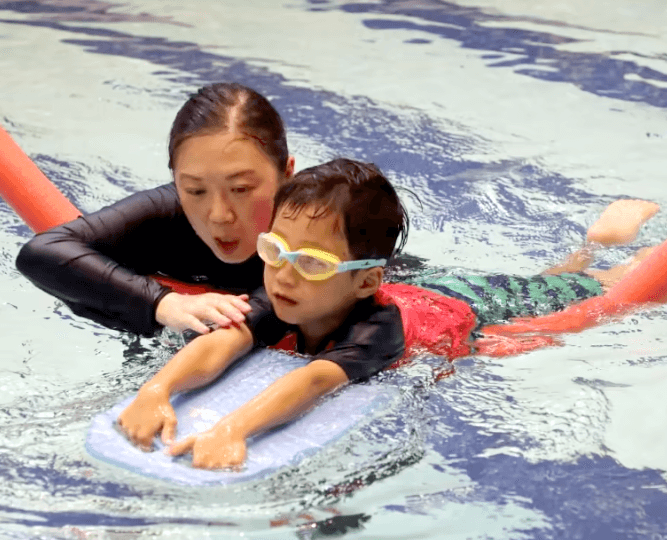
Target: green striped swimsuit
(499, 297)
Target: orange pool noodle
(25, 188)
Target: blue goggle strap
(359, 265)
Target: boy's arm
(197, 364)
(224, 445)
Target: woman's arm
(224, 445)
(197, 364)
(92, 262)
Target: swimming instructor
(228, 155)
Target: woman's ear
(368, 281)
(289, 170)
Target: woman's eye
(241, 189)
(195, 192)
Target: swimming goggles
(313, 264)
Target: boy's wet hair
(372, 214)
(224, 107)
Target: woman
(228, 154)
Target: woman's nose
(221, 211)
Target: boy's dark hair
(227, 107)
(373, 216)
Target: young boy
(344, 218)
(333, 229)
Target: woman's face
(226, 185)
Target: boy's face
(317, 307)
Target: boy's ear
(289, 170)
(369, 281)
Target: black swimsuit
(369, 340)
(99, 264)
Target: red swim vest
(432, 322)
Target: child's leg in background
(498, 298)
(619, 224)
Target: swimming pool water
(514, 122)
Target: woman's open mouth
(227, 247)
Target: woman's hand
(221, 447)
(149, 413)
(183, 311)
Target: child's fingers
(142, 438)
(169, 430)
(225, 456)
(236, 456)
(183, 447)
(132, 433)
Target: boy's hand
(149, 413)
(182, 311)
(218, 448)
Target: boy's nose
(287, 274)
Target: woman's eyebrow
(232, 176)
(239, 174)
(187, 176)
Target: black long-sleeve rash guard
(100, 264)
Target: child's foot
(620, 222)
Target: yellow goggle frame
(311, 263)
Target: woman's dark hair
(372, 214)
(231, 106)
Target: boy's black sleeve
(96, 264)
(369, 343)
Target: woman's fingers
(241, 303)
(223, 319)
(233, 307)
(223, 310)
(180, 311)
(193, 322)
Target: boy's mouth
(227, 246)
(284, 300)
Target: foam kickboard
(198, 410)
